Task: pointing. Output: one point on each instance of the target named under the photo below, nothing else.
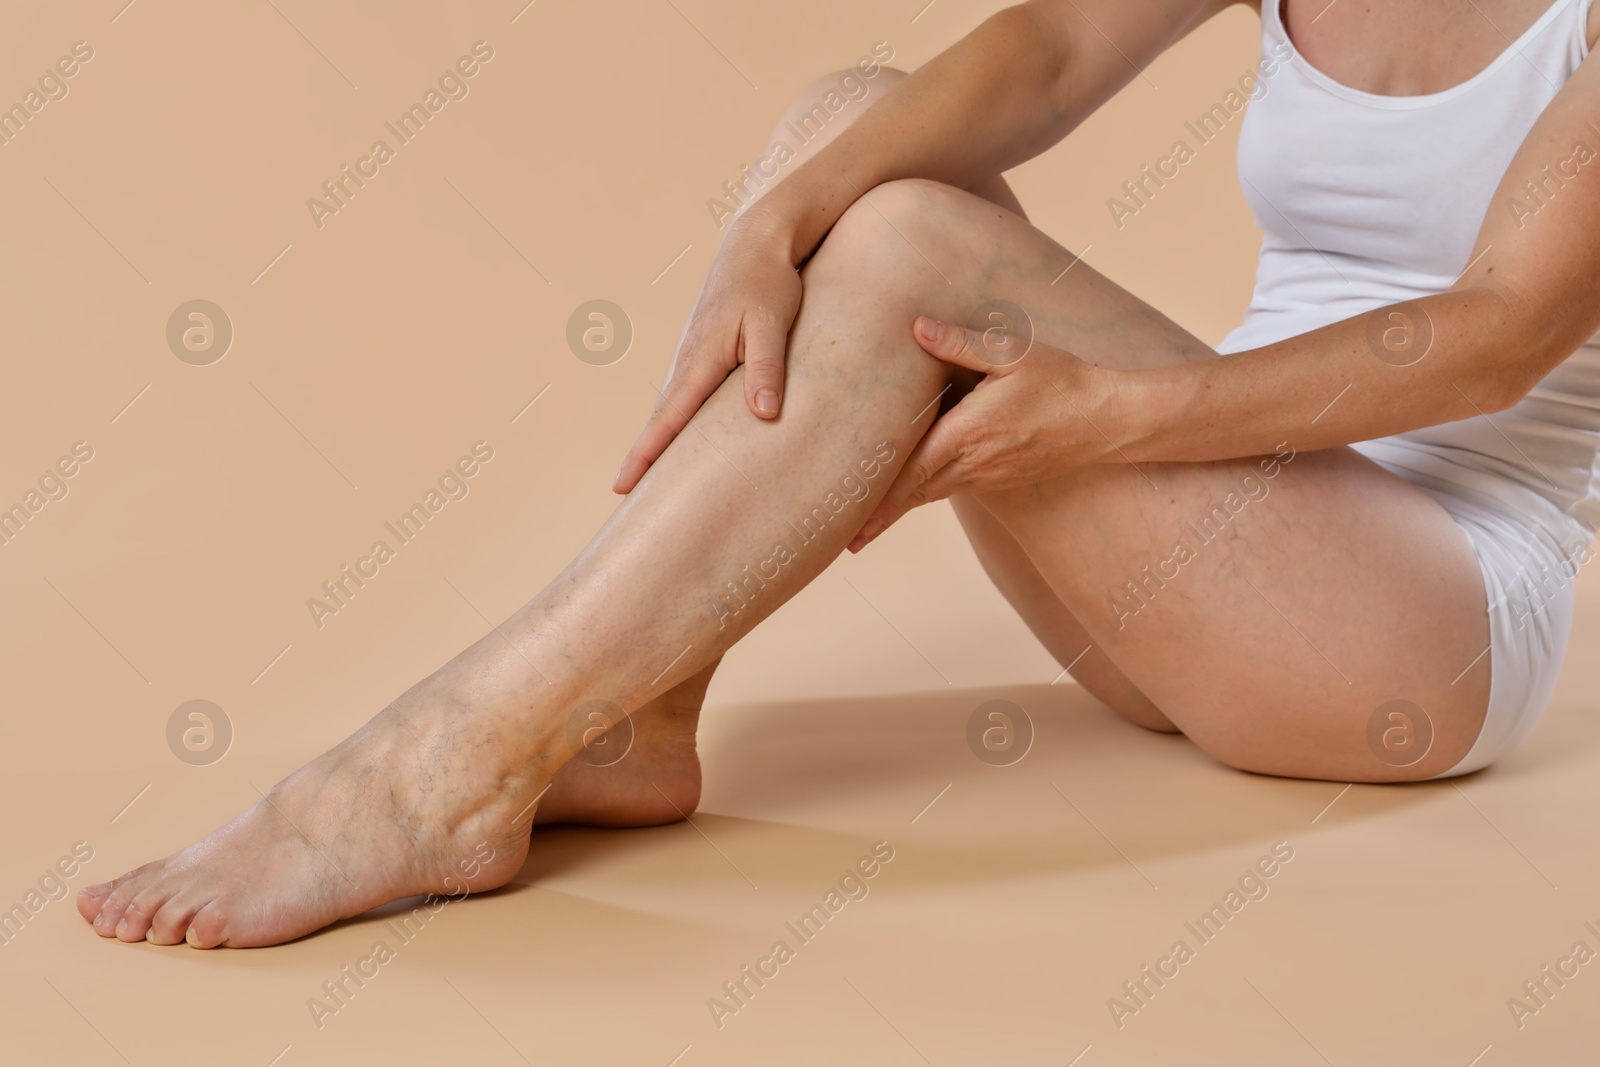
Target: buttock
(1529, 554)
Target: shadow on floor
(789, 784)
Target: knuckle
(964, 433)
(765, 360)
(760, 316)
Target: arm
(1010, 89)
(1529, 300)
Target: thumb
(989, 352)
(764, 342)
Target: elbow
(1526, 363)
(1506, 389)
(1507, 373)
(1508, 380)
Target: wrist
(770, 223)
(797, 213)
(1119, 405)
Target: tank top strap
(1547, 50)
(1272, 27)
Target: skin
(1070, 467)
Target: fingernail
(932, 329)
(767, 401)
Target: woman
(1325, 555)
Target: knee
(912, 204)
(897, 230)
(885, 261)
(866, 283)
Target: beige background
(424, 316)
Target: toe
(90, 898)
(208, 928)
(135, 921)
(170, 924)
(124, 889)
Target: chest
(1410, 47)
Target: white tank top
(1368, 200)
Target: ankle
(510, 736)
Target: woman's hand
(1032, 418)
(742, 315)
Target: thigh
(1273, 607)
(1051, 621)
(1267, 606)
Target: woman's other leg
(1310, 590)
(1051, 621)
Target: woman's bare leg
(1051, 621)
(1328, 589)
(434, 795)
(658, 781)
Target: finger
(961, 346)
(946, 482)
(684, 394)
(936, 451)
(764, 341)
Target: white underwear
(1529, 552)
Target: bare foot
(431, 796)
(434, 795)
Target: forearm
(1332, 386)
(985, 104)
